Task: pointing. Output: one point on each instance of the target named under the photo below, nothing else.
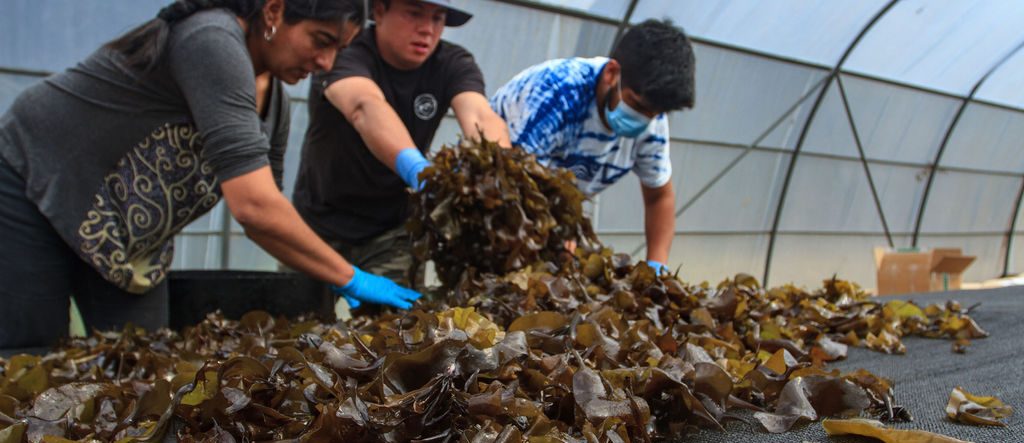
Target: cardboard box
(912, 271)
(948, 266)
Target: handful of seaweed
(494, 210)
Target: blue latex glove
(659, 267)
(371, 288)
(409, 163)
(352, 303)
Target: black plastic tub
(193, 294)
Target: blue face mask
(624, 120)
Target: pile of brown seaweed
(619, 355)
(494, 210)
(565, 348)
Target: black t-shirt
(342, 190)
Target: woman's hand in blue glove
(352, 303)
(371, 288)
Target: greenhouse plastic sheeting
(705, 257)
(750, 190)
(11, 85)
(848, 257)
(900, 189)
(1006, 85)
(829, 195)
(612, 9)
(831, 132)
(897, 123)
(55, 34)
(987, 138)
(761, 68)
(506, 39)
(987, 248)
(946, 46)
(197, 252)
(970, 202)
(815, 31)
(739, 97)
(1017, 254)
(693, 165)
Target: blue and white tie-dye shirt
(551, 110)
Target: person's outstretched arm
(363, 104)
(477, 119)
(659, 221)
(272, 222)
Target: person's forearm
(494, 128)
(363, 104)
(274, 224)
(283, 234)
(382, 130)
(478, 120)
(659, 225)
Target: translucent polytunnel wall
(823, 128)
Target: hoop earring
(269, 35)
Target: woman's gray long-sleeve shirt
(120, 161)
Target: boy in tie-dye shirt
(604, 117)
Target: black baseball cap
(453, 16)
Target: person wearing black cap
(373, 116)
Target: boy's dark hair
(658, 63)
(143, 46)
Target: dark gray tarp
(928, 372)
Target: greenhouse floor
(925, 375)
(928, 372)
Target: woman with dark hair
(101, 165)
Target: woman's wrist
(348, 272)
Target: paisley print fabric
(156, 189)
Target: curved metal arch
(864, 161)
(623, 25)
(1009, 232)
(1016, 207)
(949, 134)
(803, 134)
(736, 160)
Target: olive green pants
(388, 255)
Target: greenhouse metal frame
(822, 128)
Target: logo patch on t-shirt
(425, 106)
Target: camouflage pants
(388, 255)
